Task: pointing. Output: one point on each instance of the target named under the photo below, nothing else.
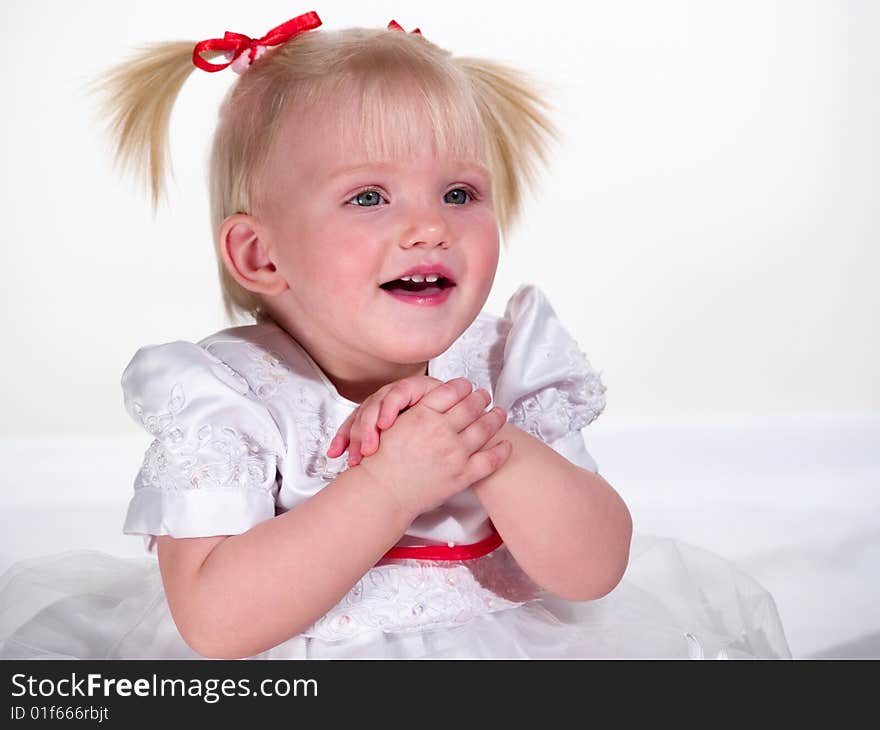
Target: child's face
(335, 244)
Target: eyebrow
(364, 166)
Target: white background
(707, 228)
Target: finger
(487, 461)
(398, 398)
(468, 410)
(354, 444)
(336, 447)
(443, 397)
(369, 434)
(478, 434)
(405, 393)
(370, 444)
(344, 431)
(340, 440)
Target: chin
(417, 350)
(409, 355)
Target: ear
(245, 256)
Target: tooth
(418, 278)
(431, 278)
(404, 278)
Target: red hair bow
(236, 44)
(394, 25)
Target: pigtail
(138, 97)
(517, 130)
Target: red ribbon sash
(445, 552)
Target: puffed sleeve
(546, 383)
(212, 468)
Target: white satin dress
(241, 424)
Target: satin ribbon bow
(237, 44)
(394, 25)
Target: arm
(236, 596)
(567, 528)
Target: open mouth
(417, 286)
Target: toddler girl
(375, 467)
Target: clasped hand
(439, 445)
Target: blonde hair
(477, 109)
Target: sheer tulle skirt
(675, 601)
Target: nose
(424, 226)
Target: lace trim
(316, 429)
(202, 456)
(270, 373)
(414, 595)
(470, 358)
(695, 648)
(160, 424)
(568, 406)
(316, 421)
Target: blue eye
(367, 198)
(370, 198)
(460, 198)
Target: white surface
(793, 501)
(707, 227)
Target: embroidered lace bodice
(242, 422)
